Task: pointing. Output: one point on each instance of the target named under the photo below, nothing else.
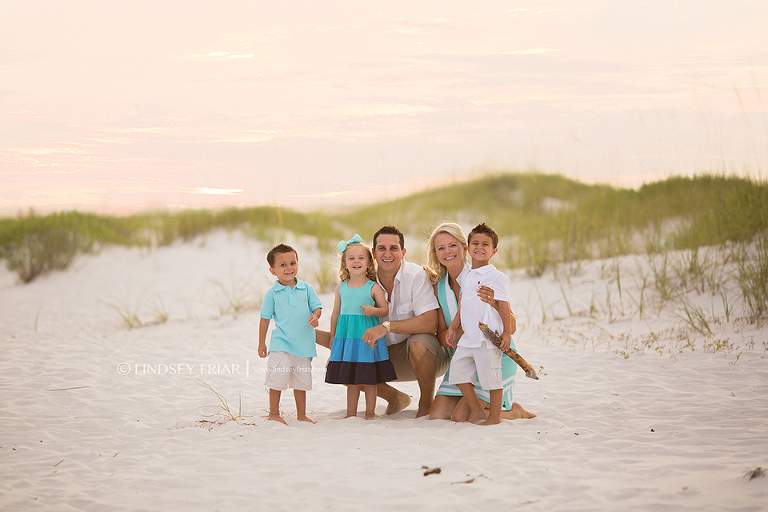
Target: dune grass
(702, 246)
(225, 413)
(549, 219)
(545, 221)
(33, 245)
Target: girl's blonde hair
(435, 271)
(370, 272)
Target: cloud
(536, 50)
(111, 140)
(383, 109)
(152, 130)
(326, 195)
(41, 151)
(212, 191)
(217, 54)
(37, 164)
(531, 51)
(406, 31)
(252, 136)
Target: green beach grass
(545, 221)
(33, 245)
(550, 219)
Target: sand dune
(96, 416)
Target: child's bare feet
(370, 417)
(277, 418)
(306, 418)
(476, 416)
(350, 416)
(491, 421)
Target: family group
(394, 320)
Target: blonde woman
(447, 250)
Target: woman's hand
(506, 342)
(486, 295)
(450, 337)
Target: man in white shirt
(410, 327)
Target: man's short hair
(279, 249)
(389, 230)
(484, 229)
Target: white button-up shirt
(474, 310)
(412, 295)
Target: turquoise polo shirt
(291, 308)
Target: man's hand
(374, 333)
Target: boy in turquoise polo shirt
(296, 309)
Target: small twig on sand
(470, 480)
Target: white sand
(663, 429)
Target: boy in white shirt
(475, 353)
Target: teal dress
(352, 361)
(449, 305)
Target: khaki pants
(398, 354)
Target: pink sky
(122, 106)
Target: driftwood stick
(496, 340)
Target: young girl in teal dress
(358, 305)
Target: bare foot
(398, 404)
(277, 418)
(517, 412)
(422, 412)
(350, 416)
(476, 416)
(425, 404)
(371, 417)
(490, 421)
(306, 418)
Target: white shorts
(485, 360)
(286, 370)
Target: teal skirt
(354, 362)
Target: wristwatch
(386, 326)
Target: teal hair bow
(354, 240)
